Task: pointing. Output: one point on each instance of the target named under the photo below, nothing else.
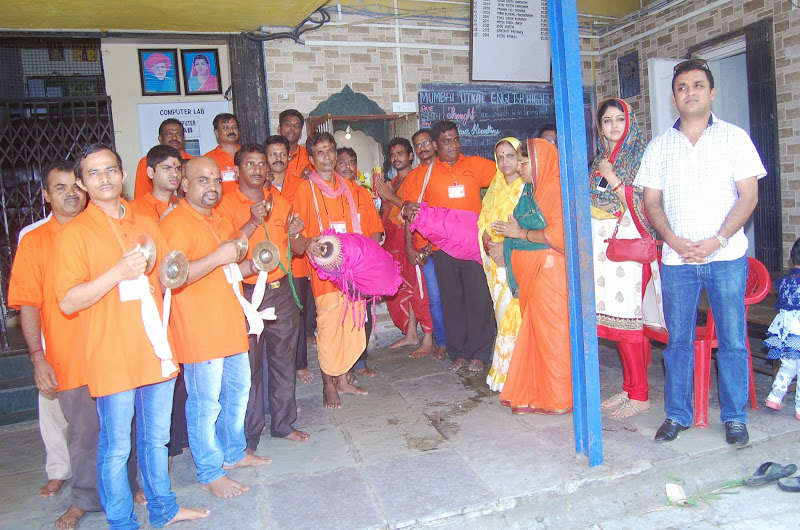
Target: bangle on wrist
(254, 223)
(618, 186)
(36, 351)
(294, 236)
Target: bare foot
(250, 460)
(224, 488)
(408, 340)
(345, 387)
(351, 378)
(311, 341)
(440, 352)
(70, 518)
(615, 401)
(366, 372)
(330, 397)
(457, 365)
(298, 436)
(139, 498)
(475, 365)
(305, 375)
(631, 408)
(189, 514)
(425, 348)
(51, 488)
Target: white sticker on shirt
(133, 289)
(340, 227)
(228, 176)
(456, 191)
(232, 273)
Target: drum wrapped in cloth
(453, 231)
(358, 266)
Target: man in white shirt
(700, 181)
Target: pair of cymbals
(238, 238)
(145, 245)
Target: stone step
(15, 366)
(19, 398)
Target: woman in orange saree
(540, 373)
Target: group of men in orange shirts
(88, 288)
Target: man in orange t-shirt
(211, 345)
(102, 273)
(164, 171)
(455, 182)
(290, 126)
(170, 133)
(328, 201)
(371, 225)
(277, 150)
(59, 372)
(246, 208)
(226, 129)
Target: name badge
(456, 192)
(340, 227)
(133, 289)
(228, 176)
(232, 273)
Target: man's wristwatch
(723, 242)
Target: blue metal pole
(568, 90)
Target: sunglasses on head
(702, 63)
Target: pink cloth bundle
(453, 231)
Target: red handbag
(640, 250)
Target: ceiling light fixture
(348, 133)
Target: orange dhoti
(340, 332)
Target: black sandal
(769, 472)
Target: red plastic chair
(756, 289)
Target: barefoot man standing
(210, 333)
(101, 273)
(327, 200)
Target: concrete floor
(428, 447)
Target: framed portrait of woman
(201, 72)
(158, 72)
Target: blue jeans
(153, 414)
(724, 282)
(435, 303)
(215, 408)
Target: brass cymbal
(289, 217)
(266, 256)
(238, 237)
(174, 270)
(268, 204)
(145, 245)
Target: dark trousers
(309, 312)
(178, 432)
(278, 343)
(303, 288)
(83, 430)
(467, 306)
(361, 363)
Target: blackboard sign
(485, 113)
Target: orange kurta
(235, 207)
(143, 183)
(298, 161)
(339, 342)
(539, 374)
(226, 168)
(32, 284)
(207, 320)
(300, 266)
(119, 355)
(368, 215)
(150, 206)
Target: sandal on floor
(789, 484)
(629, 406)
(769, 472)
(620, 398)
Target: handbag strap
(629, 199)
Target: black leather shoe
(736, 433)
(669, 430)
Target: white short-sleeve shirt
(698, 182)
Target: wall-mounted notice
(487, 112)
(510, 41)
(196, 116)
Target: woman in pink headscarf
(201, 79)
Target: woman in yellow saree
(497, 205)
(540, 374)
